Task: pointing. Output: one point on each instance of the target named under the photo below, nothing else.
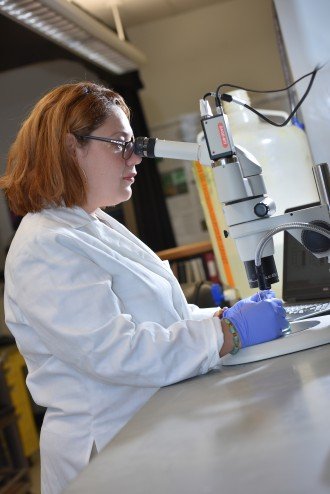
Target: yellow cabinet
(14, 371)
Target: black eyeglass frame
(124, 144)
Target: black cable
(228, 98)
(263, 117)
(215, 96)
(206, 95)
(317, 68)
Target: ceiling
(76, 25)
(134, 12)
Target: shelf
(184, 251)
(192, 263)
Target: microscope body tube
(151, 147)
(176, 150)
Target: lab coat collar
(76, 217)
(106, 218)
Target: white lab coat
(102, 324)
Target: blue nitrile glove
(262, 295)
(257, 322)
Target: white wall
(305, 28)
(190, 54)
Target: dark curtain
(26, 47)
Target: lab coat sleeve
(69, 302)
(198, 313)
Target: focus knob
(265, 208)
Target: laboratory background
(163, 56)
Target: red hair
(41, 170)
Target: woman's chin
(128, 194)
(123, 198)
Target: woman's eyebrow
(124, 134)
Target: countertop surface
(245, 429)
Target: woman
(100, 320)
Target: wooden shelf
(184, 251)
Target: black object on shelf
(6, 340)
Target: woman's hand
(257, 321)
(262, 295)
(219, 312)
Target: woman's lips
(130, 178)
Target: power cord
(228, 98)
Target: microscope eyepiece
(145, 146)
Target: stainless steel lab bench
(261, 427)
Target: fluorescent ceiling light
(72, 28)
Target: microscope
(249, 211)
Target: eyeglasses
(126, 146)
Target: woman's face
(109, 176)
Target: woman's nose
(134, 160)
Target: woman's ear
(71, 143)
